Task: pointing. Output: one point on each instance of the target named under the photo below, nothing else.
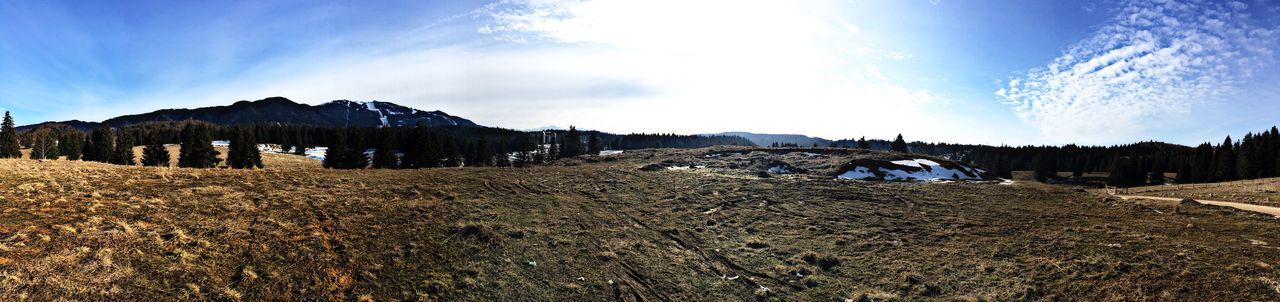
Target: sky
(982, 71)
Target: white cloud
(724, 65)
(1153, 60)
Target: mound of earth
(919, 169)
(821, 163)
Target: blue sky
(1016, 72)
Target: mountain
(281, 110)
(768, 139)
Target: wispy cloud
(1151, 60)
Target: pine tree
(553, 151)
(335, 155)
(431, 150)
(196, 149)
(356, 157)
(863, 144)
(1043, 167)
(71, 144)
(9, 147)
(123, 153)
(242, 150)
(1184, 173)
(1225, 161)
(593, 143)
(572, 144)
(1246, 166)
(100, 144)
(253, 156)
(235, 148)
(155, 154)
(899, 145)
(384, 157)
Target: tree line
(344, 148)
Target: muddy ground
(602, 229)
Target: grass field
(1256, 191)
(601, 229)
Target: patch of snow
(858, 173)
(381, 117)
(810, 154)
(779, 170)
(683, 168)
(1006, 182)
(926, 170)
(316, 153)
(610, 152)
(918, 163)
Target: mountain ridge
(338, 113)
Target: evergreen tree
(863, 144)
(483, 156)
(451, 156)
(1246, 162)
(123, 153)
(335, 155)
(71, 144)
(1202, 164)
(1184, 173)
(593, 143)
(1043, 168)
(1225, 161)
(899, 145)
(384, 157)
(1077, 167)
(43, 145)
(553, 152)
(155, 154)
(9, 147)
(1156, 176)
(356, 157)
(196, 150)
(100, 144)
(572, 144)
(242, 150)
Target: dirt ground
(1256, 191)
(602, 229)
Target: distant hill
(339, 113)
(768, 139)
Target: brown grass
(600, 231)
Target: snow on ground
(316, 153)
(610, 152)
(779, 170)
(858, 173)
(913, 170)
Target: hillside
(761, 139)
(601, 228)
(340, 113)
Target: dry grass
(600, 230)
(1257, 191)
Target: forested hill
(341, 113)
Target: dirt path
(1274, 211)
